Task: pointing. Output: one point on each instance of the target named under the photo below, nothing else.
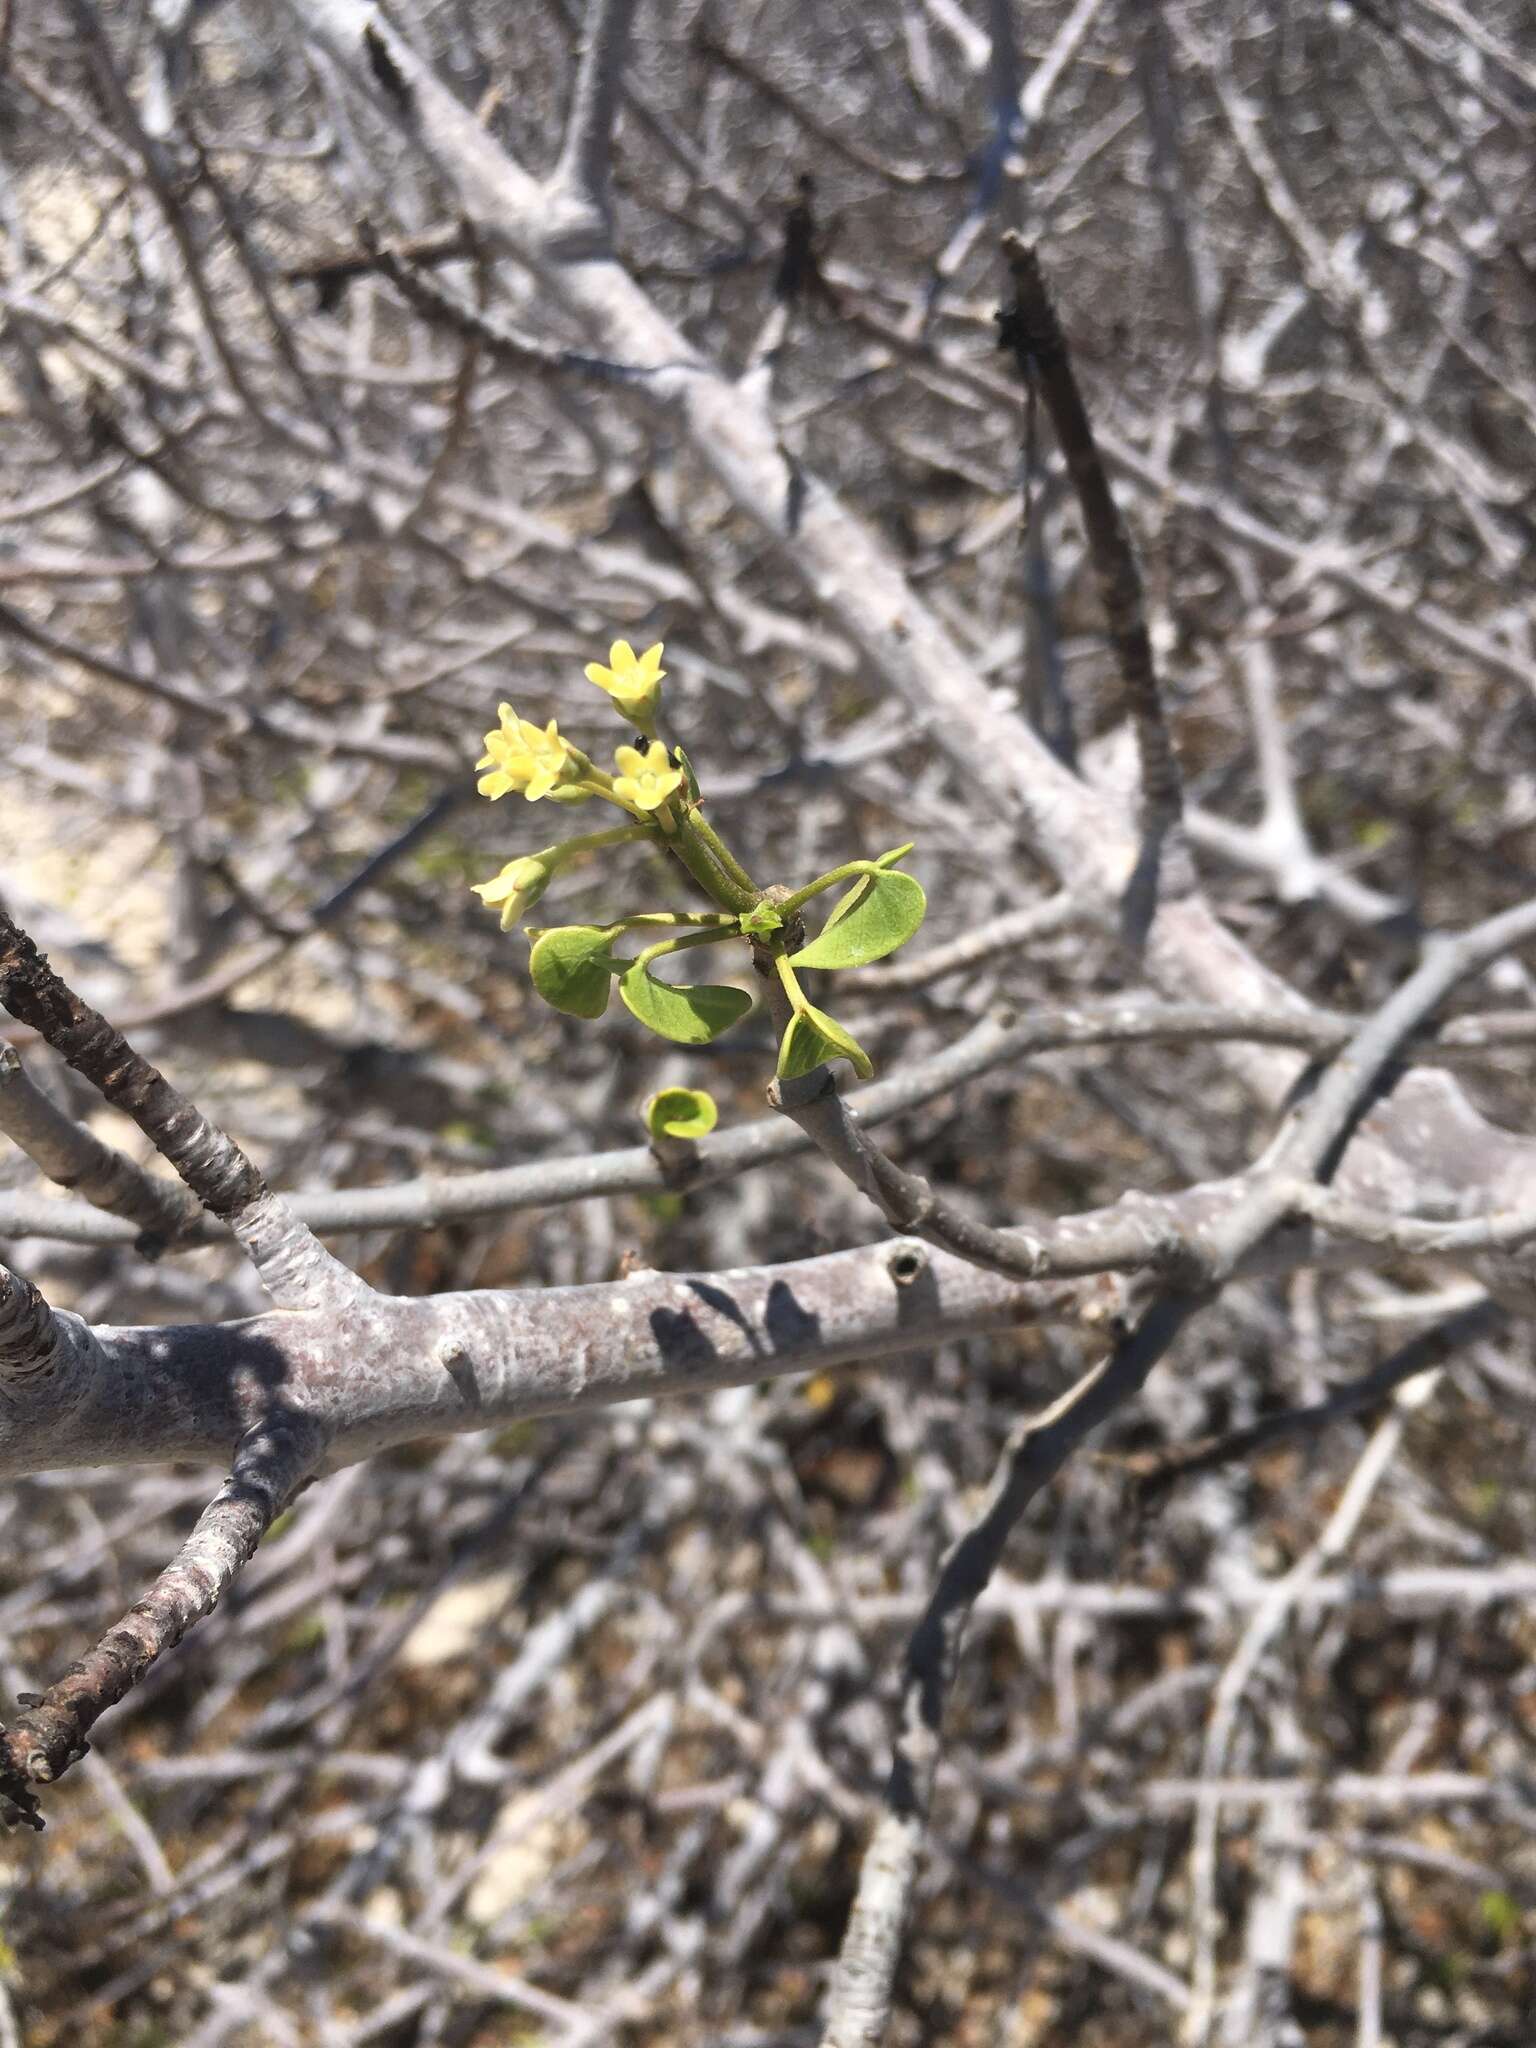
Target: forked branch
(294, 1266)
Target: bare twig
(295, 1268)
(970, 949)
(1505, 1230)
(160, 1212)
(634, 1169)
(1264, 1626)
(49, 1735)
(859, 2007)
(1031, 331)
(1141, 1236)
(1432, 1347)
(579, 188)
(499, 341)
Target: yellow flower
(526, 757)
(633, 681)
(645, 780)
(517, 888)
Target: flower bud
(517, 888)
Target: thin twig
(770, 1140)
(49, 1734)
(295, 1268)
(579, 189)
(859, 2007)
(73, 1156)
(1264, 1626)
(1501, 1230)
(502, 343)
(1158, 1470)
(1029, 329)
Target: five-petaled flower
(517, 888)
(633, 681)
(645, 780)
(528, 757)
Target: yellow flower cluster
(539, 761)
(528, 757)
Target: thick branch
(388, 1370)
(211, 1164)
(37, 1349)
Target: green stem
(588, 842)
(676, 946)
(722, 853)
(829, 880)
(719, 920)
(701, 862)
(798, 1000)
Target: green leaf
(862, 887)
(687, 1015)
(761, 921)
(572, 968)
(880, 912)
(681, 1113)
(813, 1038)
(690, 780)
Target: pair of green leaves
(573, 968)
(879, 913)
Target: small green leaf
(681, 1113)
(812, 1038)
(880, 912)
(687, 1015)
(690, 780)
(572, 968)
(761, 921)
